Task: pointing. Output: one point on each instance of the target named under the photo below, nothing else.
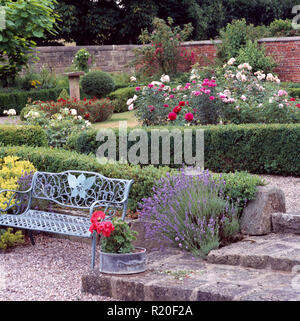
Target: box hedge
(257, 148)
(240, 186)
(121, 97)
(17, 99)
(22, 135)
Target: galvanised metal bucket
(130, 263)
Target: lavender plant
(191, 212)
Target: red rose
(87, 115)
(172, 116)
(176, 109)
(293, 99)
(181, 103)
(298, 105)
(189, 117)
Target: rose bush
(233, 95)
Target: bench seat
(49, 222)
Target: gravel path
(49, 271)
(291, 188)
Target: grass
(116, 118)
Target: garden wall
(286, 52)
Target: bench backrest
(78, 189)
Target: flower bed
(233, 95)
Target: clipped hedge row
(23, 135)
(240, 186)
(257, 148)
(294, 92)
(18, 99)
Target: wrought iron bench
(71, 189)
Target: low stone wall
(286, 51)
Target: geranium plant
(117, 234)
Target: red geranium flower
(172, 116)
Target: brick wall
(286, 52)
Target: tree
(24, 19)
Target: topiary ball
(97, 84)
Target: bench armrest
(17, 202)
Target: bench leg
(94, 239)
(31, 237)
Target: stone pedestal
(74, 78)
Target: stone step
(280, 252)
(176, 276)
(286, 223)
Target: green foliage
(98, 84)
(22, 135)
(162, 52)
(8, 239)
(82, 60)
(294, 92)
(256, 148)
(18, 99)
(63, 95)
(24, 20)
(120, 240)
(256, 56)
(121, 96)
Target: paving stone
(267, 252)
(286, 223)
(170, 277)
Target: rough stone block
(256, 219)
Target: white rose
(130, 101)
(79, 117)
(165, 78)
(132, 79)
(5, 112)
(231, 61)
(134, 98)
(131, 107)
(73, 112)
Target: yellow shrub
(11, 169)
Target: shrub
(121, 96)
(97, 83)
(82, 60)
(256, 148)
(8, 238)
(256, 56)
(190, 212)
(162, 52)
(22, 135)
(63, 95)
(59, 126)
(11, 170)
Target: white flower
(73, 112)
(132, 79)
(134, 98)
(165, 78)
(130, 101)
(79, 117)
(87, 123)
(11, 112)
(156, 83)
(130, 107)
(5, 112)
(271, 100)
(59, 117)
(280, 105)
(231, 61)
(243, 97)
